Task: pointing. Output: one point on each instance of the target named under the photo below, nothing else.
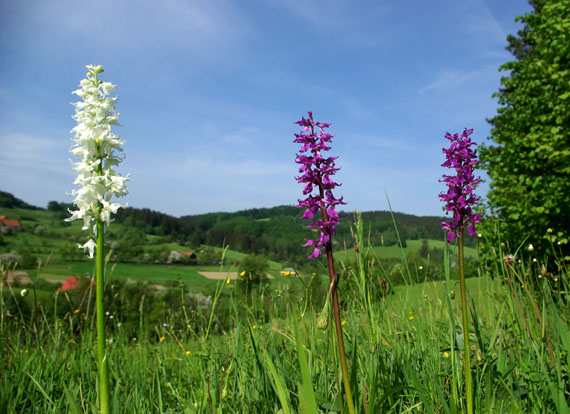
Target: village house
(288, 271)
(175, 257)
(7, 225)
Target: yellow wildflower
(446, 354)
(162, 338)
(242, 273)
(76, 311)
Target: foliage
(529, 165)
(274, 232)
(162, 363)
(252, 272)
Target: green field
(395, 252)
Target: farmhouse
(190, 255)
(288, 271)
(7, 225)
(175, 256)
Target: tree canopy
(528, 160)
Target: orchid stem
(466, 351)
(101, 354)
(338, 325)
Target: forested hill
(284, 222)
(277, 232)
(9, 201)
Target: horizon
(233, 211)
(209, 93)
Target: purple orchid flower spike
(316, 173)
(459, 197)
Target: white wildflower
(96, 147)
(89, 246)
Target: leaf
(308, 402)
(277, 384)
(73, 405)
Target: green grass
(407, 359)
(394, 251)
(263, 353)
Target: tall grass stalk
(404, 259)
(466, 348)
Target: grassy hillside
(395, 252)
(146, 238)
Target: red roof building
(191, 255)
(9, 224)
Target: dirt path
(23, 278)
(223, 275)
(19, 276)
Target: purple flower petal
(315, 172)
(459, 197)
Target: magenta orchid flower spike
(316, 172)
(459, 197)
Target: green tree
(253, 272)
(529, 166)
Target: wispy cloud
(449, 79)
(206, 28)
(28, 152)
(33, 168)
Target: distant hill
(278, 232)
(9, 201)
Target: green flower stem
(338, 325)
(101, 354)
(466, 349)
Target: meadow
(202, 346)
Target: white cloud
(29, 152)
(449, 79)
(204, 28)
(35, 169)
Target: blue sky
(209, 90)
